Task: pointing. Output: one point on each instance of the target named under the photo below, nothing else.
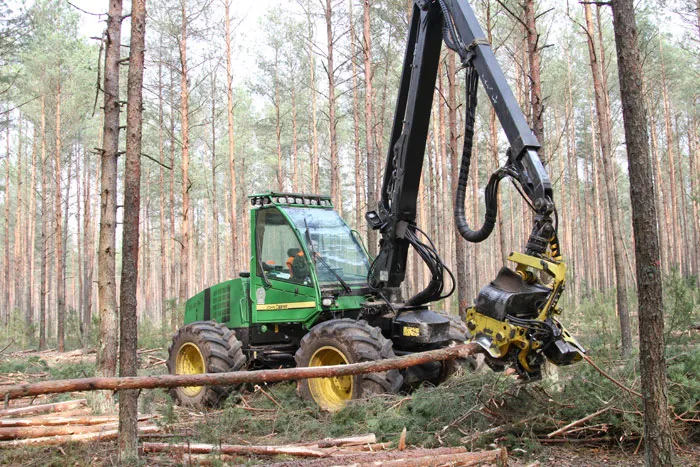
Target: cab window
(280, 254)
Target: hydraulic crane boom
(515, 301)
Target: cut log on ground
(41, 408)
(349, 441)
(26, 432)
(298, 451)
(402, 457)
(238, 377)
(61, 420)
(463, 459)
(85, 437)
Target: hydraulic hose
(491, 192)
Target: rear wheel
(203, 347)
(340, 342)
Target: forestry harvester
(314, 297)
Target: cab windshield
(339, 255)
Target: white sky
(248, 32)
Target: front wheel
(203, 347)
(340, 342)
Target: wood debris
(352, 451)
(59, 423)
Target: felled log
(349, 441)
(40, 408)
(62, 420)
(197, 448)
(462, 459)
(84, 437)
(24, 432)
(338, 458)
(237, 377)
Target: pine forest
(133, 136)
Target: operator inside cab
(297, 265)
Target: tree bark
(315, 185)
(214, 189)
(184, 112)
(44, 408)
(675, 238)
(106, 280)
(607, 157)
(44, 230)
(370, 152)
(58, 233)
(535, 80)
(336, 192)
(657, 430)
(460, 244)
(128, 360)
(7, 307)
(276, 102)
(30, 246)
(235, 247)
(359, 198)
(161, 191)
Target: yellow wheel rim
(330, 393)
(190, 362)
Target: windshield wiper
(314, 255)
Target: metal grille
(221, 304)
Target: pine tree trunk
(295, 146)
(44, 230)
(315, 186)
(371, 155)
(128, 360)
(107, 288)
(19, 264)
(184, 111)
(161, 192)
(58, 234)
(535, 81)
(30, 250)
(336, 192)
(657, 430)
(214, 190)
(675, 237)
(460, 246)
(278, 124)
(235, 247)
(360, 200)
(6, 307)
(88, 255)
(174, 278)
(695, 187)
(607, 157)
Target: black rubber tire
(221, 352)
(359, 342)
(458, 334)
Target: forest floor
(480, 411)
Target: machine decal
(285, 306)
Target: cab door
(282, 287)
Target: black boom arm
(454, 22)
